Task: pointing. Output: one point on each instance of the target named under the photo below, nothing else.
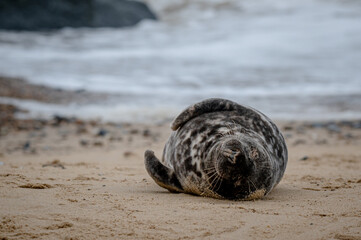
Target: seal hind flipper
(162, 175)
(206, 106)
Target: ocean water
(289, 59)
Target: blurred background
(131, 61)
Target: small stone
(81, 129)
(102, 132)
(98, 144)
(26, 146)
(114, 138)
(128, 154)
(84, 142)
(304, 158)
(287, 128)
(59, 120)
(134, 131)
(146, 133)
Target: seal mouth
(239, 181)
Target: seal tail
(162, 175)
(206, 106)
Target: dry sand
(86, 180)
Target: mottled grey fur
(221, 149)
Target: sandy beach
(68, 178)
(80, 105)
(72, 179)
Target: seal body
(221, 149)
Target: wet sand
(73, 179)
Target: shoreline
(18, 88)
(44, 102)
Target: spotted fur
(221, 149)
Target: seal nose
(231, 155)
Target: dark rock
(128, 154)
(98, 144)
(60, 119)
(134, 131)
(26, 146)
(304, 158)
(102, 132)
(146, 133)
(28, 149)
(84, 142)
(51, 14)
(115, 138)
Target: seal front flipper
(162, 175)
(206, 106)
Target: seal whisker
(212, 183)
(220, 180)
(210, 168)
(214, 174)
(255, 188)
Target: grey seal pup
(220, 149)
